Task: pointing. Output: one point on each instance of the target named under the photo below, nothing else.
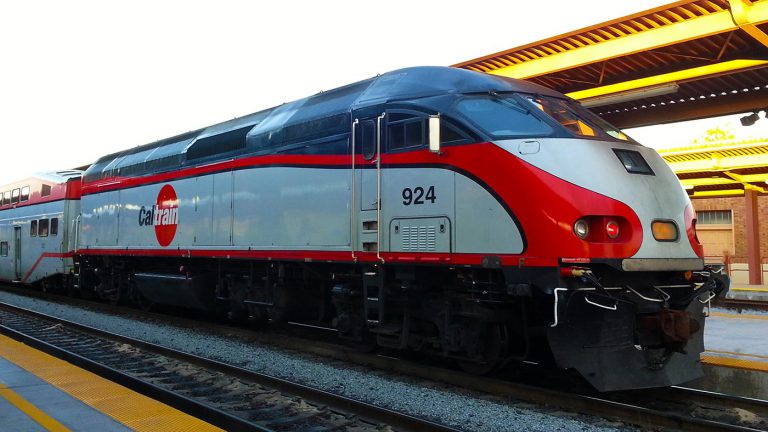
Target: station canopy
(686, 60)
(682, 61)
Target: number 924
(417, 196)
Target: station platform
(736, 339)
(748, 292)
(39, 392)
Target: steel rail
(398, 420)
(741, 303)
(756, 406)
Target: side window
(367, 139)
(25, 193)
(15, 196)
(45, 190)
(33, 228)
(54, 229)
(4, 249)
(406, 131)
(7, 198)
(449, 134)
(42, 228)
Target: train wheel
(113, 288)
(490, 350)
(143, 303)
(113, 296)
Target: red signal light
(612, 229)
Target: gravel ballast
(463, 410)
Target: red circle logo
(166, 215)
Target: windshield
(503, 117)
(577, 119)
(517, 116)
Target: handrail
(352, 206)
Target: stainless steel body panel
(221, 218)
(296, 208)
(482, 225)
(99, 221)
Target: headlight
(581, 228)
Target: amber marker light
(664, 230)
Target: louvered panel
(420, 235)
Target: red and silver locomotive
(440, 210)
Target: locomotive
(462, 215)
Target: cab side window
(406, 131)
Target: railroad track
(676, 407)
(221, 394)
(741, 304)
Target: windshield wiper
(509, 103)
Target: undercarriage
(616, 336)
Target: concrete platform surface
(737, 340)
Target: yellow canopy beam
(720, 163)
(740, 179)
(749, 16)
(672, 77)
(706, 181)
(746, 18)
(718, 193)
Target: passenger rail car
(36, 228)
(459, 214)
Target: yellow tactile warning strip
(735, 360)
(31, 411)
(749, 289)
(739, 316)
(132, 409)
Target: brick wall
(737, 205)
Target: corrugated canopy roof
(682, 61)
(721, 168)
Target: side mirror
(434, 133)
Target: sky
(81, 79)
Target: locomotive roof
(403, 84)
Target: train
(461, 215)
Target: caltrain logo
(164, 215)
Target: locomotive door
(366, 183)
(17, 252)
